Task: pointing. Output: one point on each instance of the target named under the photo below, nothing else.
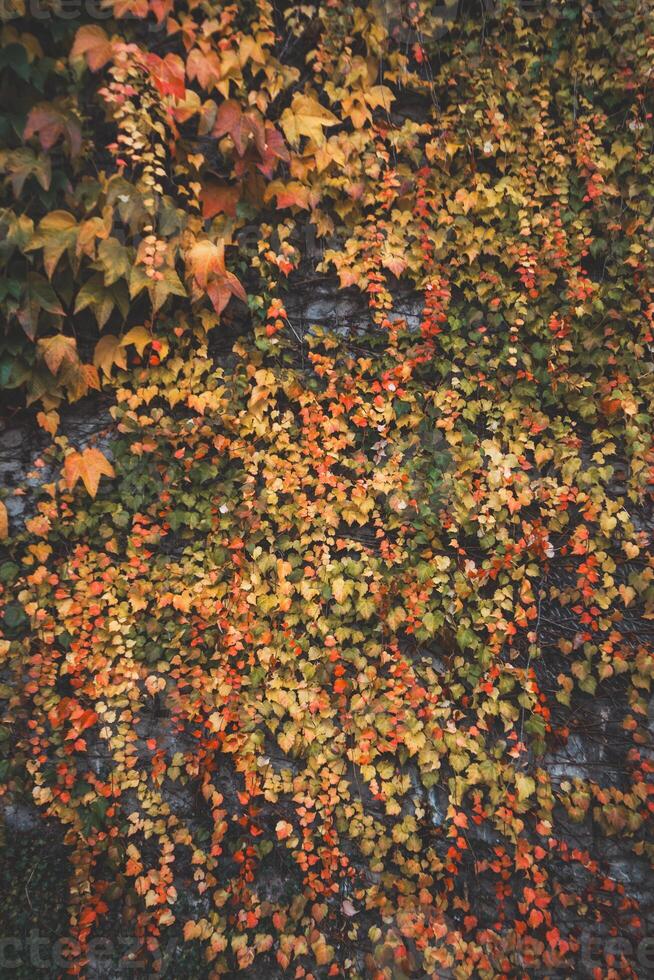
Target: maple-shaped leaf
(288, 195)
(241, 126)
(131, 8)
(23, 162)
(109, 351)
(160, 9)
(50, 123)
(166, 284)
(203, 65)
(306, 117)
(87, 377)
(274, 148)
(57, 232)
(205, 260)
(221, 291)
(168, 74)
(88, 466)
(228, 122)
(95, 295)
(92, 44)
(40, 296)
(395, 263)
(138, 336)
(116, 260)
(218, 198)
(57, 351)
(256, 143)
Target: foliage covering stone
(331, 653)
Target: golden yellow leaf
(306, 117)
(87, 466)
(109, 351)
(48, 421)
(138, 336)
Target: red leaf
(219, 198)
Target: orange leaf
(92, 43)
(283, 829)
(219, 198)
(87, 466)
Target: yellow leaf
(628, 594)
(58, 350)
(543, 454)
(57, 232)
(525, 786)
(338, 590)
(109, 351)
(48, 421)
(323, 953)
(4, 522)
(306, 117)
(138, 336)
(87, 466)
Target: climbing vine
(293, 649)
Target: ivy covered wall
(326, 561)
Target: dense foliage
(290, 652)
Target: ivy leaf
(206, 259)
(160, 289)
(229, 122)
(291, 194)
(23, 163)
(88, 466)
(218, 198)
(138, 336)
(283, 829)
(92, 44)
(168, 74)
(94, 294)
(206, 262)
(40, 296)
(50, 123)
(115, 259)
(306, 117)
(59, 350)
(525, 786)
(49, 421)
(57, 232)
(109, 350)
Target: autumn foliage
(292, 652)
